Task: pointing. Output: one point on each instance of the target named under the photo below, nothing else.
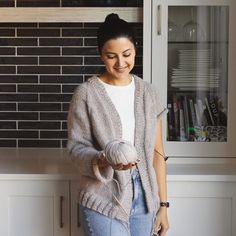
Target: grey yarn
(120, 151)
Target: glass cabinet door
(197, 73)
(192, 52)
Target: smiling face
(118, 56)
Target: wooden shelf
(72, 14)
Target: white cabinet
(34, 208)
(203, 208)
(76, 229)
(189, 54)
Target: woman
(118, 199)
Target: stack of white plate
(195, 71)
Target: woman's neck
(106, 78)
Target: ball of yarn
(120, 151)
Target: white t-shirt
(123, 100)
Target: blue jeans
(140, 221)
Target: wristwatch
(165, 204)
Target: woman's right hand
(102, 163)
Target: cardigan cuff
(105, 175)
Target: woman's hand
(161, 224)
(103, 163)
(125, 167)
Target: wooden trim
(73, 14)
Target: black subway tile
(7, 125)
(39, 143)
(18, 79)
(39, 107)
(65, 106)
(38, 51)
(18, 41)
(38, 70)
(91, 25)
(90, 41)
(60, 42)
(53, 134)
(60, 60)
(79, 32)
(19, 97)
(80, 51)
(82, 69)
(7, 88)
(93, 61)
(55, 97)
(64, 125)
(61, 24)
(7, 3)
(15, 24)
(7, 69)
(7, 143)
(19, 60)
(53, 116)
(61, 79)
(18, 116)
(38, 32)
(7, 51)
(7, 106)
(72, 3)
(69, 88)
(18, 134)
(64, 143)
(39, 88)
(39, 125)
(7, 32)
(38, 3)
(137, 70)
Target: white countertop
(55, 164)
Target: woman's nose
(120, 61)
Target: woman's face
(118, 56)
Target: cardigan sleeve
(80, 141)
(159, 109)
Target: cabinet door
(39, 208)
(76, 229)
(202, 208)
(192, 50)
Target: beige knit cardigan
(93, 121)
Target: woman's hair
(112, 28)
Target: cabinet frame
(155, 53)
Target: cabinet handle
(159, 20)
(78, 220)
(61, 211)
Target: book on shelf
(171, 126)
(176, 116)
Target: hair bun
(112, 17)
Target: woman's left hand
(161, 224)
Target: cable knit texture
(93, 122)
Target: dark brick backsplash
(39, 107)
(18, 79)
(38, 125)
(70, 3)
(8, 88)
(7, 106)
(41, 64)
(38, 3)
(7, 125)
(18, 41)
(8, 143)
(7, 3)
(6, 50)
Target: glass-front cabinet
(189, 54)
